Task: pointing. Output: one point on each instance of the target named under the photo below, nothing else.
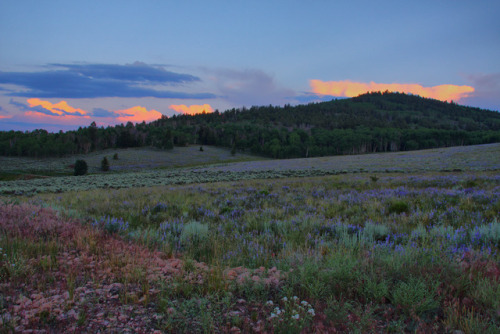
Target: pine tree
(81, 167)
(104, 164)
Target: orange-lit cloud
(63, 113)
(137, 114)
(192, 109)
(64, 119)
(60, 108)
(350, 89)
(5, 116)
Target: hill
(374, 122)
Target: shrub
(375, 231)
(414, 295)
(115, 156)
(201, 148)
(399, 206)
(111, 225)
(104, 164)
(194, 233)
(489, 233)
(81, 167)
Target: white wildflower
(295, 298)
(284, 299)
(273, 315)
(296, 317)
(304, 303)
(270, 303)
(311, 312)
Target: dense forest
(374, 122)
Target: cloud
(192, 109)
(137, 114)
(348, 88)
(487, 93)
(63, 119)
(138, 71)
(100, 80)
(60, 108)
(249, 87)
(487, 85)
(100, 112)
(41, 111)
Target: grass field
(383, 243)
(131, 159)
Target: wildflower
(296, 317)
(270, 303)
(273, 315)
(284, 299)
(304, 303)
(311, 312)
(295, 298)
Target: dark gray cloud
(100, 80)
(99, 112)
(136, 72)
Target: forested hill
(374, 122)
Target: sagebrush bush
(398, 206)
(375, 231)
(194, 233)
(490, 232)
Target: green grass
(408, 252)
(131, 159)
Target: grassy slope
(135, 172)
(131, 159)
(378, 252)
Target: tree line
(374, 122)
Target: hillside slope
(374, 122)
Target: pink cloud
(349, 88)
(192, 109)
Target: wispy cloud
(192, 109)
(348, 88)
(100, 80)
(249, 87)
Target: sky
(66, 64)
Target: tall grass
(405, 253)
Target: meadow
(378, 243)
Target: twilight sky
(64, 64)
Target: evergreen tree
(104, 164)
(81, 167)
